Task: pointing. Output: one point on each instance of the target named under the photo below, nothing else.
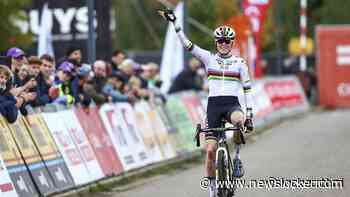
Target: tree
(319, 12)
(132, 34)
(10, 34)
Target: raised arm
(202, 54)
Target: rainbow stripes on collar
(218, 75)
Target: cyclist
(227, 74)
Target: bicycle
(226, 169)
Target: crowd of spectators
(37, 81)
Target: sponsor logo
(343, 89)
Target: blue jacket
(115, 94)
(78, 90)
(8, 107)
(42, 92)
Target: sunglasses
(221, 41)
(19, 57)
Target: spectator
(20, 86)
(83, 76)
(291, 65)
(114, 88)
(150, 76)
(18, 60)
(188, 79)
(118, 57)
(48, 68)
(127, 68)
(74, 54)
(94, 88)
(62, 93)
(42, 87)
(8, 107)
(23, 75)
(137, 90)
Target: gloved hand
(249, 120)
(167, 15)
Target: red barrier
(333, 61)
(195, 109)
(284, 92)
(100, 141)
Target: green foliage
(10, 35)
(131, 33)
(205, 14)
(319, 12)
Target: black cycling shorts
(220, 107)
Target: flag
(173, 52)
(45, 36)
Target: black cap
(71, 49)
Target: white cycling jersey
(226, 75)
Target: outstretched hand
(167, 15)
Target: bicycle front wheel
(221, 173)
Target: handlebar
(219, 129)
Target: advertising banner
(178, 115)
(27, 148)
(333, 65)
(68, 149)
(285, 92)
(6, 186)
(15, 165)
(120, 123)
(262, 106)
(196, 112)
(80, 140)
(100, 141)
(171, 130)
(194, 108)
(49, 152)
(144, 125)
(68, 21)
(161, 133)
